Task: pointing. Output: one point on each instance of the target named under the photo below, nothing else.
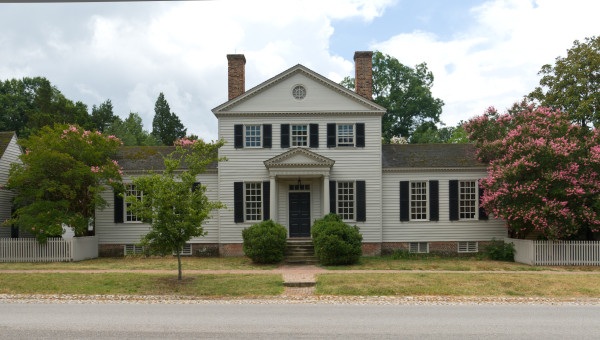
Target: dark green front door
(299, 214)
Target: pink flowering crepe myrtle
(543, 174)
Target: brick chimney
(236, 75)
(363, 79)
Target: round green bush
(265, 242)
(335, 242)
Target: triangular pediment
(299, 157)
(275, 95)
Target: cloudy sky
(482, 53)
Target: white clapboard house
(9, 154)
(300, 146)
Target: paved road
(132, 321)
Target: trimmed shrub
(265, 242)
(335, 242)
(500, 251)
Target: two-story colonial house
(300, 146)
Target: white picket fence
(55, 250)
(559, 253)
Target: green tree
(102, 116)
(63, 172)
(131, 131)
(573, 83)
(173, 202)
(28, 104)
(405, 93)
(166, 126)
(429, 132)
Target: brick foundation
(371, 249)
(231, 249)
(205, 249)
(110, 250)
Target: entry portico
(299, 180)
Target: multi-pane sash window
(467, 199)
(299, 135)
(418, 200)
(418, 247)
(345, 201)
(345, 135)
(253, 201)
(252, 136)
(132, 191)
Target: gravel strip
(290, 299)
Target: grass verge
(460, 284)
(451, 264)
(141, 284)
(140, 263)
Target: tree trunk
(179, 265)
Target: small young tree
(63, 171)
(175, 204)
(544, 172)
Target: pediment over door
(299, 158)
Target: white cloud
(496, 61)
(129, 52)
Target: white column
(273, 203)
(325, 194)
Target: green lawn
(139, 263)
(452, 264)
(141, 284)
(461, 284)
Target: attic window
(299, 92)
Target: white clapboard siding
(10, 156)
(432, 231)
(351, 164)
(109, 232)
(29, 250)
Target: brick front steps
(300, 251)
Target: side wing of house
(116, 227)
(298, 147)
(9, 154)
(431, 199)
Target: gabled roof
(299, 157)
(430, 156)
(288, 73)
(147, 158)
(5, 138)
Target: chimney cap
(363, 54)
(236, 56)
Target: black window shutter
(285, 136)
(118, 208)
(482, 214)
(314, 135)
(195, 186)
(331, 135)
(361, 201)
(238, 202)
(404, 201)
(332, 195)
(360, 135)
(238, 133)
(267, 136)
(434, 201)
(453, 189)
(266, 195)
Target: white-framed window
(301, 187)
(131, 190)
(345, 135)
(132, 249)
(468, 247)
(253, 201)
(467, 200)
(345, 200)
(252, 136)
(418, 201)
(418, 247)
(186, 250)
(299, 135)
